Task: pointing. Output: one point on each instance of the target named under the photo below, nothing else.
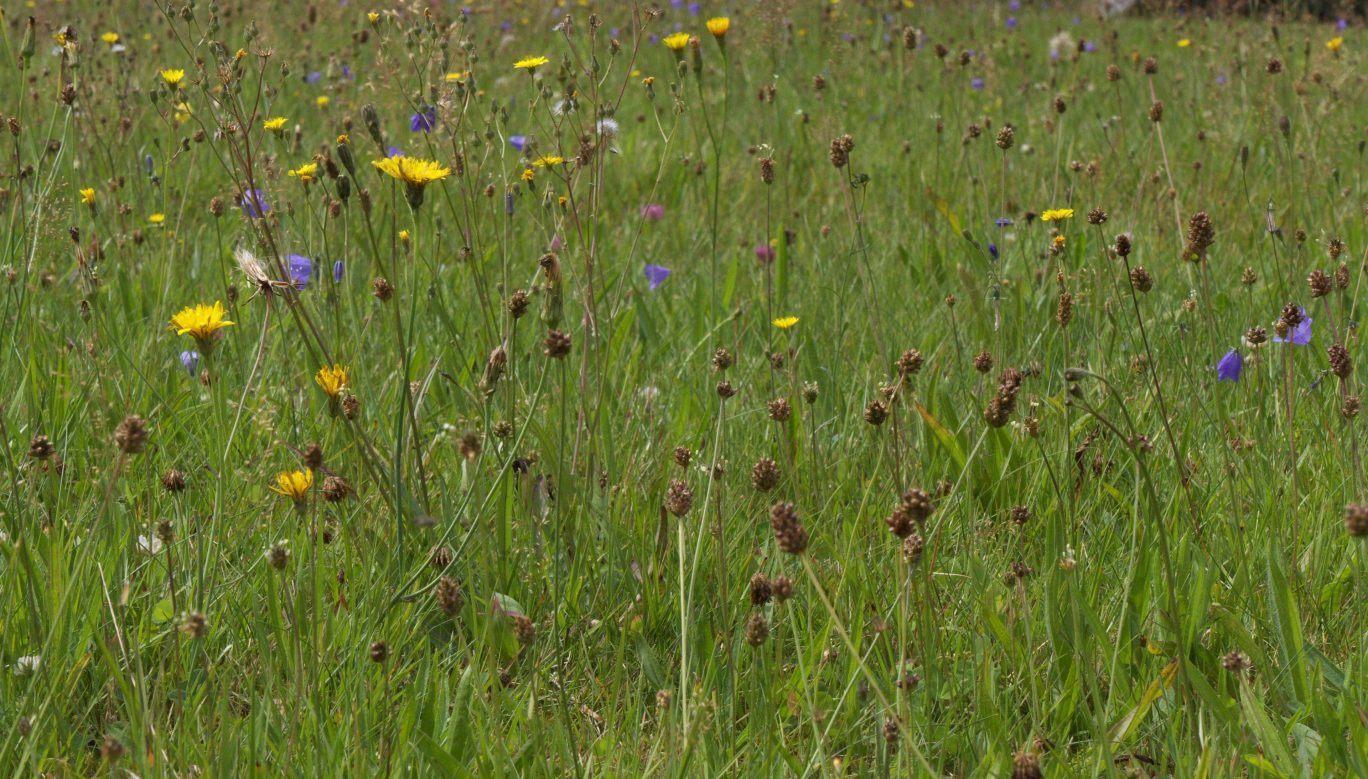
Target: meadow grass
(957, 389)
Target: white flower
(27, 665)
(608, 128)
(149, 545)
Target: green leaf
(163, 611)
(944, 207)
(1287, 621)
(1127, 725)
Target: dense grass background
(1147, 571)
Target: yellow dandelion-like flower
(173, 77)
(676, 42)
(322, 101)
(785, 322)
(305, 173)
(343, 139)
(1184, 43)
(293, 484)
(275, 124)
(530, 63)
(549, 160)
(373, 16)
(239, 54)
(1335, 43)
(1056, 214)
(455, 76)
(60, 39)
(88, 196)
(412, 171)
(718, 26)
(529, 175)
(332, 380)
(110, 37)
(156, 218)
(1059, 240)
(404, 236)
(183, 113)
(200, 321)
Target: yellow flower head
(547, 161)
(173, 77)
(88, 196)
(373, 16)
(239, 54)
(676, 42)
(322, 100)
(293, 484)
(718, 26)
(1056, 214)
(200, 321)
(529, 175)
(156, 218)
(1335, 43)
(530, 63)
(1059, 240)
(343, 139)
(412, 171)
(183, 113)
(275, 125)
(110, 37)
(332, 380)
(305, 172)
(455, 76)
(404, 236)
(785, 322)
(1184, 43)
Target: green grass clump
(851, 388)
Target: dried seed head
(313, 456)
(278, 556)
(725, 390)
(1320, 283)
(448, 596)
(1200, 235)
(40, 448)
(722, 360)
(809, 392)
(912, 548)
(983, 362)
(783, 588)
(382, 289)
(336, 489)
(524, 630)
(1151, 66)
(1350, 409)
(1255, 336)
(779, 409)
(760, 590)
(682, 456)
(788, 528)
(1156, 111)
(1006, 137)
(1141, 279)
(764, 474)
(1097, 216)
(678, 498)
(1336, 248)
(1274, 66)
(757, 629)
(518, 303)
(1021, 515)
(1342, 276)
(875, 413)
(194, 624)
(557, 344)
(910, 362)
(1235, 662)
(891, 731)
(1064, 311)
(131, 434)
(1248, 277)
(1025, 765)
(1123, 245)
(1340, 364)
(1113, 73)
(379, 652)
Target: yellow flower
(373, 16)
(548, 160)
(1335, 43)
(200, 321)
(455, 76)
(718, 26)
(293, 484)
(785, 322)
(343, 139)
(275, 125)
(1055, 214)
(412, 171)
(530, 63)
(157, 218)
(1059, 240)
(404, 236)
(676, 42)
(183, 113)
(529, 175)
(173, 77)
(322, 100)
(1184, 43)
(305, 172)
(88, 196)
(60, 39)
(332, 380)
(110, 37)
(239, 54)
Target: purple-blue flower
(976, 83)
(347, 73)
(337, 272)
(191, 362)
(1004, 222)
(424, 121)
(1011, 22)
(695, 8)
(1220, 79)
(655, 275)
(517, 141)
(253, 204)
(301, 268)
(313, 78)
(1341, 24)
(1300, 335)
(394, 151)
(993, 250)
(1089, 47)
(1014, 5)
(508, 203)
(1230, 366)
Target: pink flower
(653, 212)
